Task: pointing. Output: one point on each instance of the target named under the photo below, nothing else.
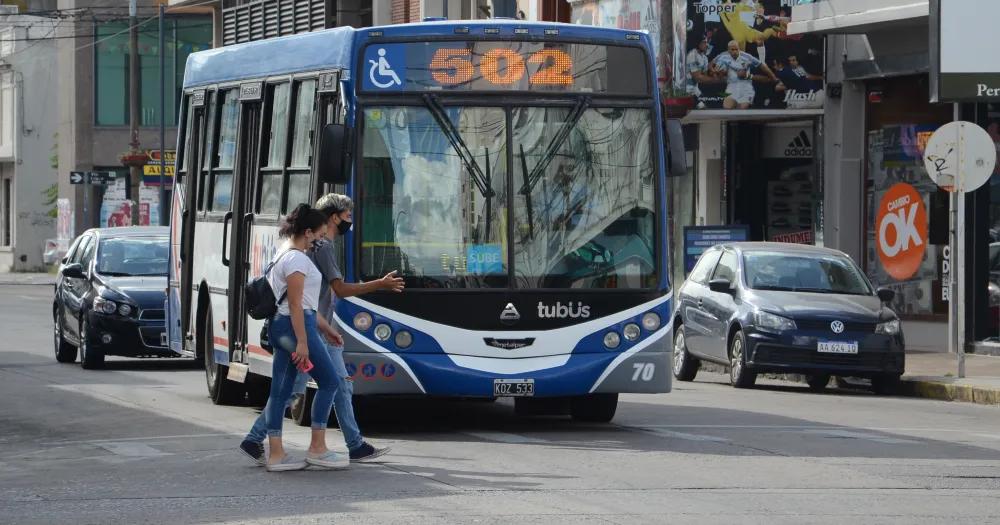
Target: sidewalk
(934, 375)
(7, 279)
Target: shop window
(183, 36)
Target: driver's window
(88, 254)
(704, 267)
(80, 249)
(727, 267)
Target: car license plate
(838, 347)
(513, 387)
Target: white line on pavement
(503, 437)
(847, 434)
(132, 450)
(146, 438)
(684, 436)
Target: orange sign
(901, 231)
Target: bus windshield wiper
(557, 142)
(458, 144)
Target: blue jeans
(341, 403)
(284, 373)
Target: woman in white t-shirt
(296, 334)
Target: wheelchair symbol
(384, 70)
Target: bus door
(191, 167)
(244, 181)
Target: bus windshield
(575, 209)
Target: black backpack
(259, 296)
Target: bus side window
(225, 155)
(207, 152)
(299, 171)
(272, 174)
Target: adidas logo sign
(800, 146)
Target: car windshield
(804, 273)
(132, 256)
(442, 205)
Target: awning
(856, 16)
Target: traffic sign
(960, 156)
(102, 177)
(78, 177)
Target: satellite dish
(960, 156)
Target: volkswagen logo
(837, 327)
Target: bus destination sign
(505, 66)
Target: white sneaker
(331, 460)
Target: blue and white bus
(513, 173)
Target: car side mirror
(720, 285)
(885, 295)
(74, 271)
(332, 146)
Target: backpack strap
(270, 266)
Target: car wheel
(740, 374)
(220, 389)
(65, 352)
(302, 408)
(817, 382)
(885, 385)
(90, 358)
(594, 408)
(685, 365)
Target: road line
(133, 450)
(503, 437)
(685, 436)
(848, 434)
(149, 438)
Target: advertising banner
(697, 239)
(959, 74)
(740, 56)
(64, 220)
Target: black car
(786, 308)
(110, 296)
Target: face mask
(344, 227)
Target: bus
(513, 173)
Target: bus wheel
(221, 390)
(595, 408)
(302, 408)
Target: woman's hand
(301, 355)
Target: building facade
(877, 119)
(27, 140)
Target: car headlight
(612, 340)
(651, 321)
(888, 327)
(404, 339)
(104, 306)
(124, 310)
(383, 332)
(362, 321)
(631, 332)
(772, 323)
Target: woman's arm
(296, 285)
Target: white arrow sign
(77, 177)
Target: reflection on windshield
(785, 272)
(584, 198)
(133, 256)
(425, 213)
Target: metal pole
(163, 122)
(955, 307)
(135, 173)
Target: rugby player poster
(739, 55)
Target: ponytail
(301, 219)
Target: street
(140, 442)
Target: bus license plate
(513, 387)
(838, 347)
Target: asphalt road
(141, 442)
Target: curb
(943, 391)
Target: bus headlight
(651, 322)
(612, 340)
(404, 339)
(362, 321)
(631, 332)
(383, 332)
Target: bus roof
(332, 48)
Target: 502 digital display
(505, 66)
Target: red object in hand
(303, 367)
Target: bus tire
(301, 408)
(220, 389)
(594, 408)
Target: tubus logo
(901, 231)
(562, 311)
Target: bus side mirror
(331, 154)
(676, 154)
